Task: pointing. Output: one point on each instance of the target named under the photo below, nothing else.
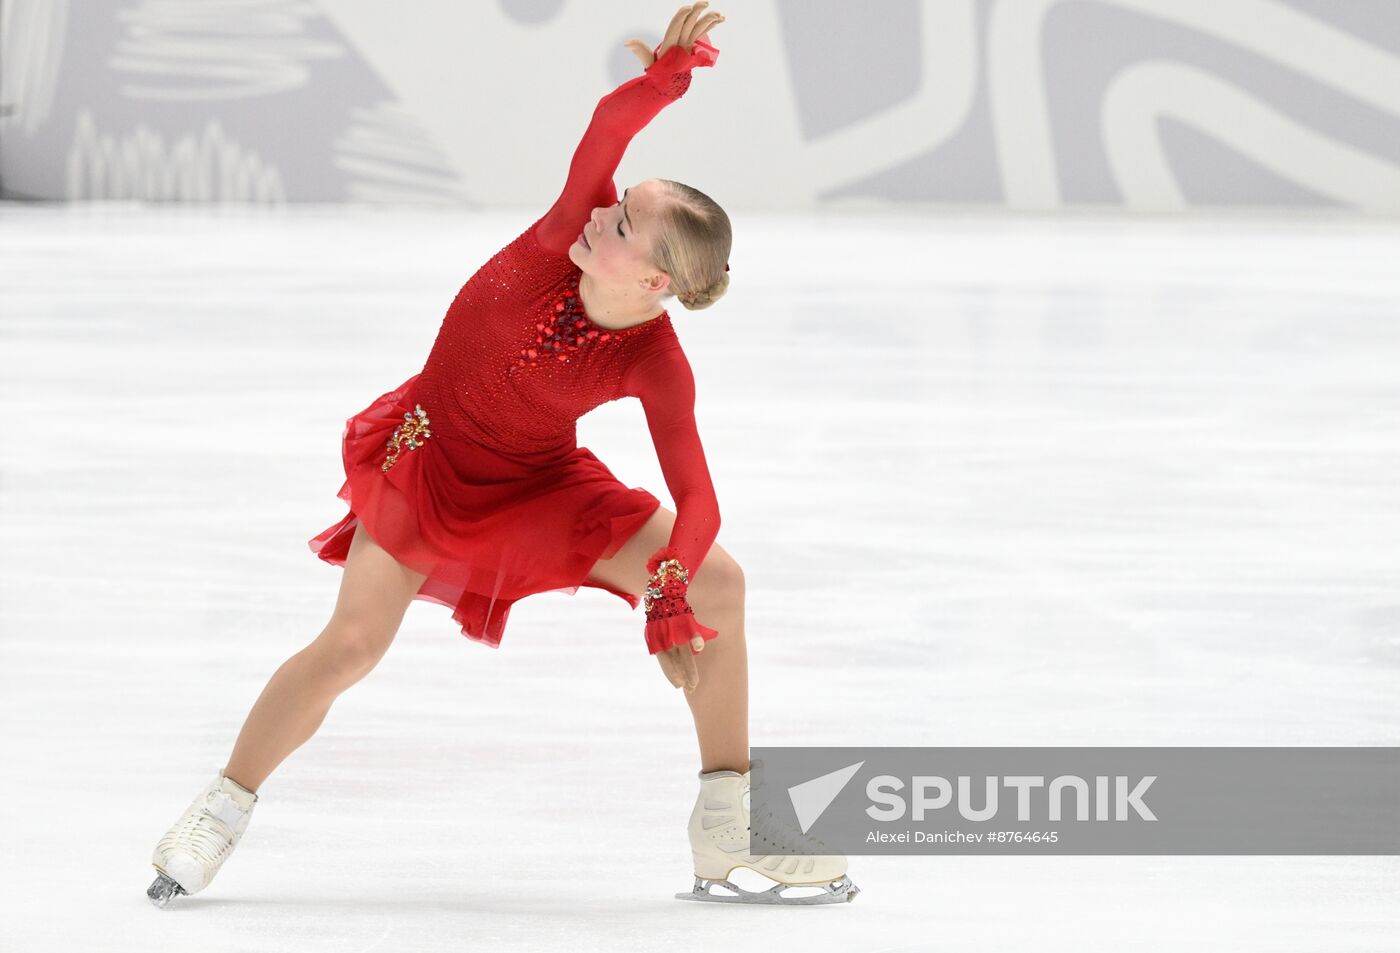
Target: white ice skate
(719, 843)
(191, 852)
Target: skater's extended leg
(375, 592)
(720, 702)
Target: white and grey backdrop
(1151, 105)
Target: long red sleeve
(666, 386)
(618, 117)
(662, 377)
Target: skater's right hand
(678, 662)
(688, 25)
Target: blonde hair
(691, 244)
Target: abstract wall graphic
(227, 49)
(1153, 105)
(386, 158)
(243, 101)
(31, 52)
(1311, 107)
(202, 167)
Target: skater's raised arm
(666, 386)
(619, 116)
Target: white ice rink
(993, 481)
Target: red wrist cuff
(677, 59)
(662, 634)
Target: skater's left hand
(690, 23)
(678, 662)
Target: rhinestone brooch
(411, 433)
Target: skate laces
(203, 834)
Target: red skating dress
(470, 472)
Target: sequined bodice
(517, 360)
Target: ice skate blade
(162, 889)
(837, 891)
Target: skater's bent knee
(719, 581)
(349, 651)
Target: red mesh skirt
(486, 529)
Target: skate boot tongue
(237, 792)
(230, 804)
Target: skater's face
(615, 246)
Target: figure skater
(467, 488)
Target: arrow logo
(810, 799)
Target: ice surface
(993, 481)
